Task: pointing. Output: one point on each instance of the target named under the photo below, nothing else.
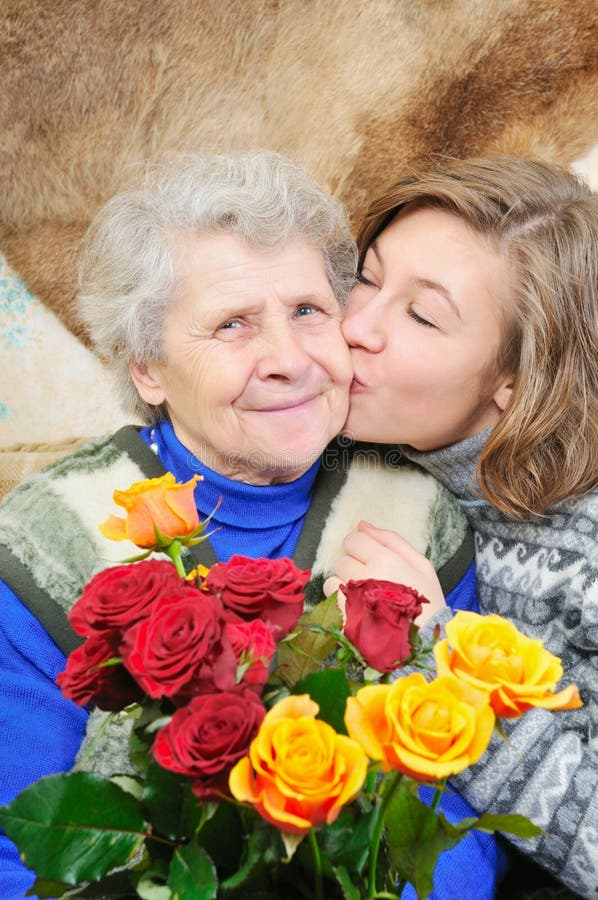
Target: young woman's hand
(372, 552)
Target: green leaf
(151, 883)
(512, 824)
(164, 796)
(118, 884)
(142, 736)
(305, 653)
(129, 784)
(416, 837)
(330, 689)
(139, 752)
(211, 821)
(350, 891)
(264, 848)
(148, 889)
(138, 558)
(346, 843)
(44, 888)
(192, 874)
(74, 827)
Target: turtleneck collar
(454, 465)
(245, 505)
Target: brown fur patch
(354, 91)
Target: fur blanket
(355, 91)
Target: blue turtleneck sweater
(257, 521)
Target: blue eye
(305, 310)
(227, 326)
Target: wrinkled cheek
(339, 406)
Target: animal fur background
(354, 89)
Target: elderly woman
(215, 293)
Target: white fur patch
(94, 507)
(397, 499)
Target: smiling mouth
(286, 405)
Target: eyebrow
(440, 289)
(253, 307)
(424, 282)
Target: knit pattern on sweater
(543, 576)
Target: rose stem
(174, 551)
(319, 889)
(437, 796)
(391, 787)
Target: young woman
(473, 328)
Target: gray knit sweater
(543, 576)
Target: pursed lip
(357, 385)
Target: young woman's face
(424, 326)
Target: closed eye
(361, 278)
(420, 320)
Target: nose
(364, 325)
(283, 353)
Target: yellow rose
(156, 501)
(299, 772)
(516, 671)
(427, 730)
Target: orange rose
(516, 671)
(299, 772)
(159, 502)
(428, 730)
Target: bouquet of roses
(270, 753)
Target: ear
(502, 395)
(149, 382)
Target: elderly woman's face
(256, 373)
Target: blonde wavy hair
(544, 221)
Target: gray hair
(127, 270)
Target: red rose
(268, 589)
(206, 738)
(180, 649)
(254, 646)
(379, 616)
(84, 681)
(119, 596)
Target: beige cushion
(21, 460)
